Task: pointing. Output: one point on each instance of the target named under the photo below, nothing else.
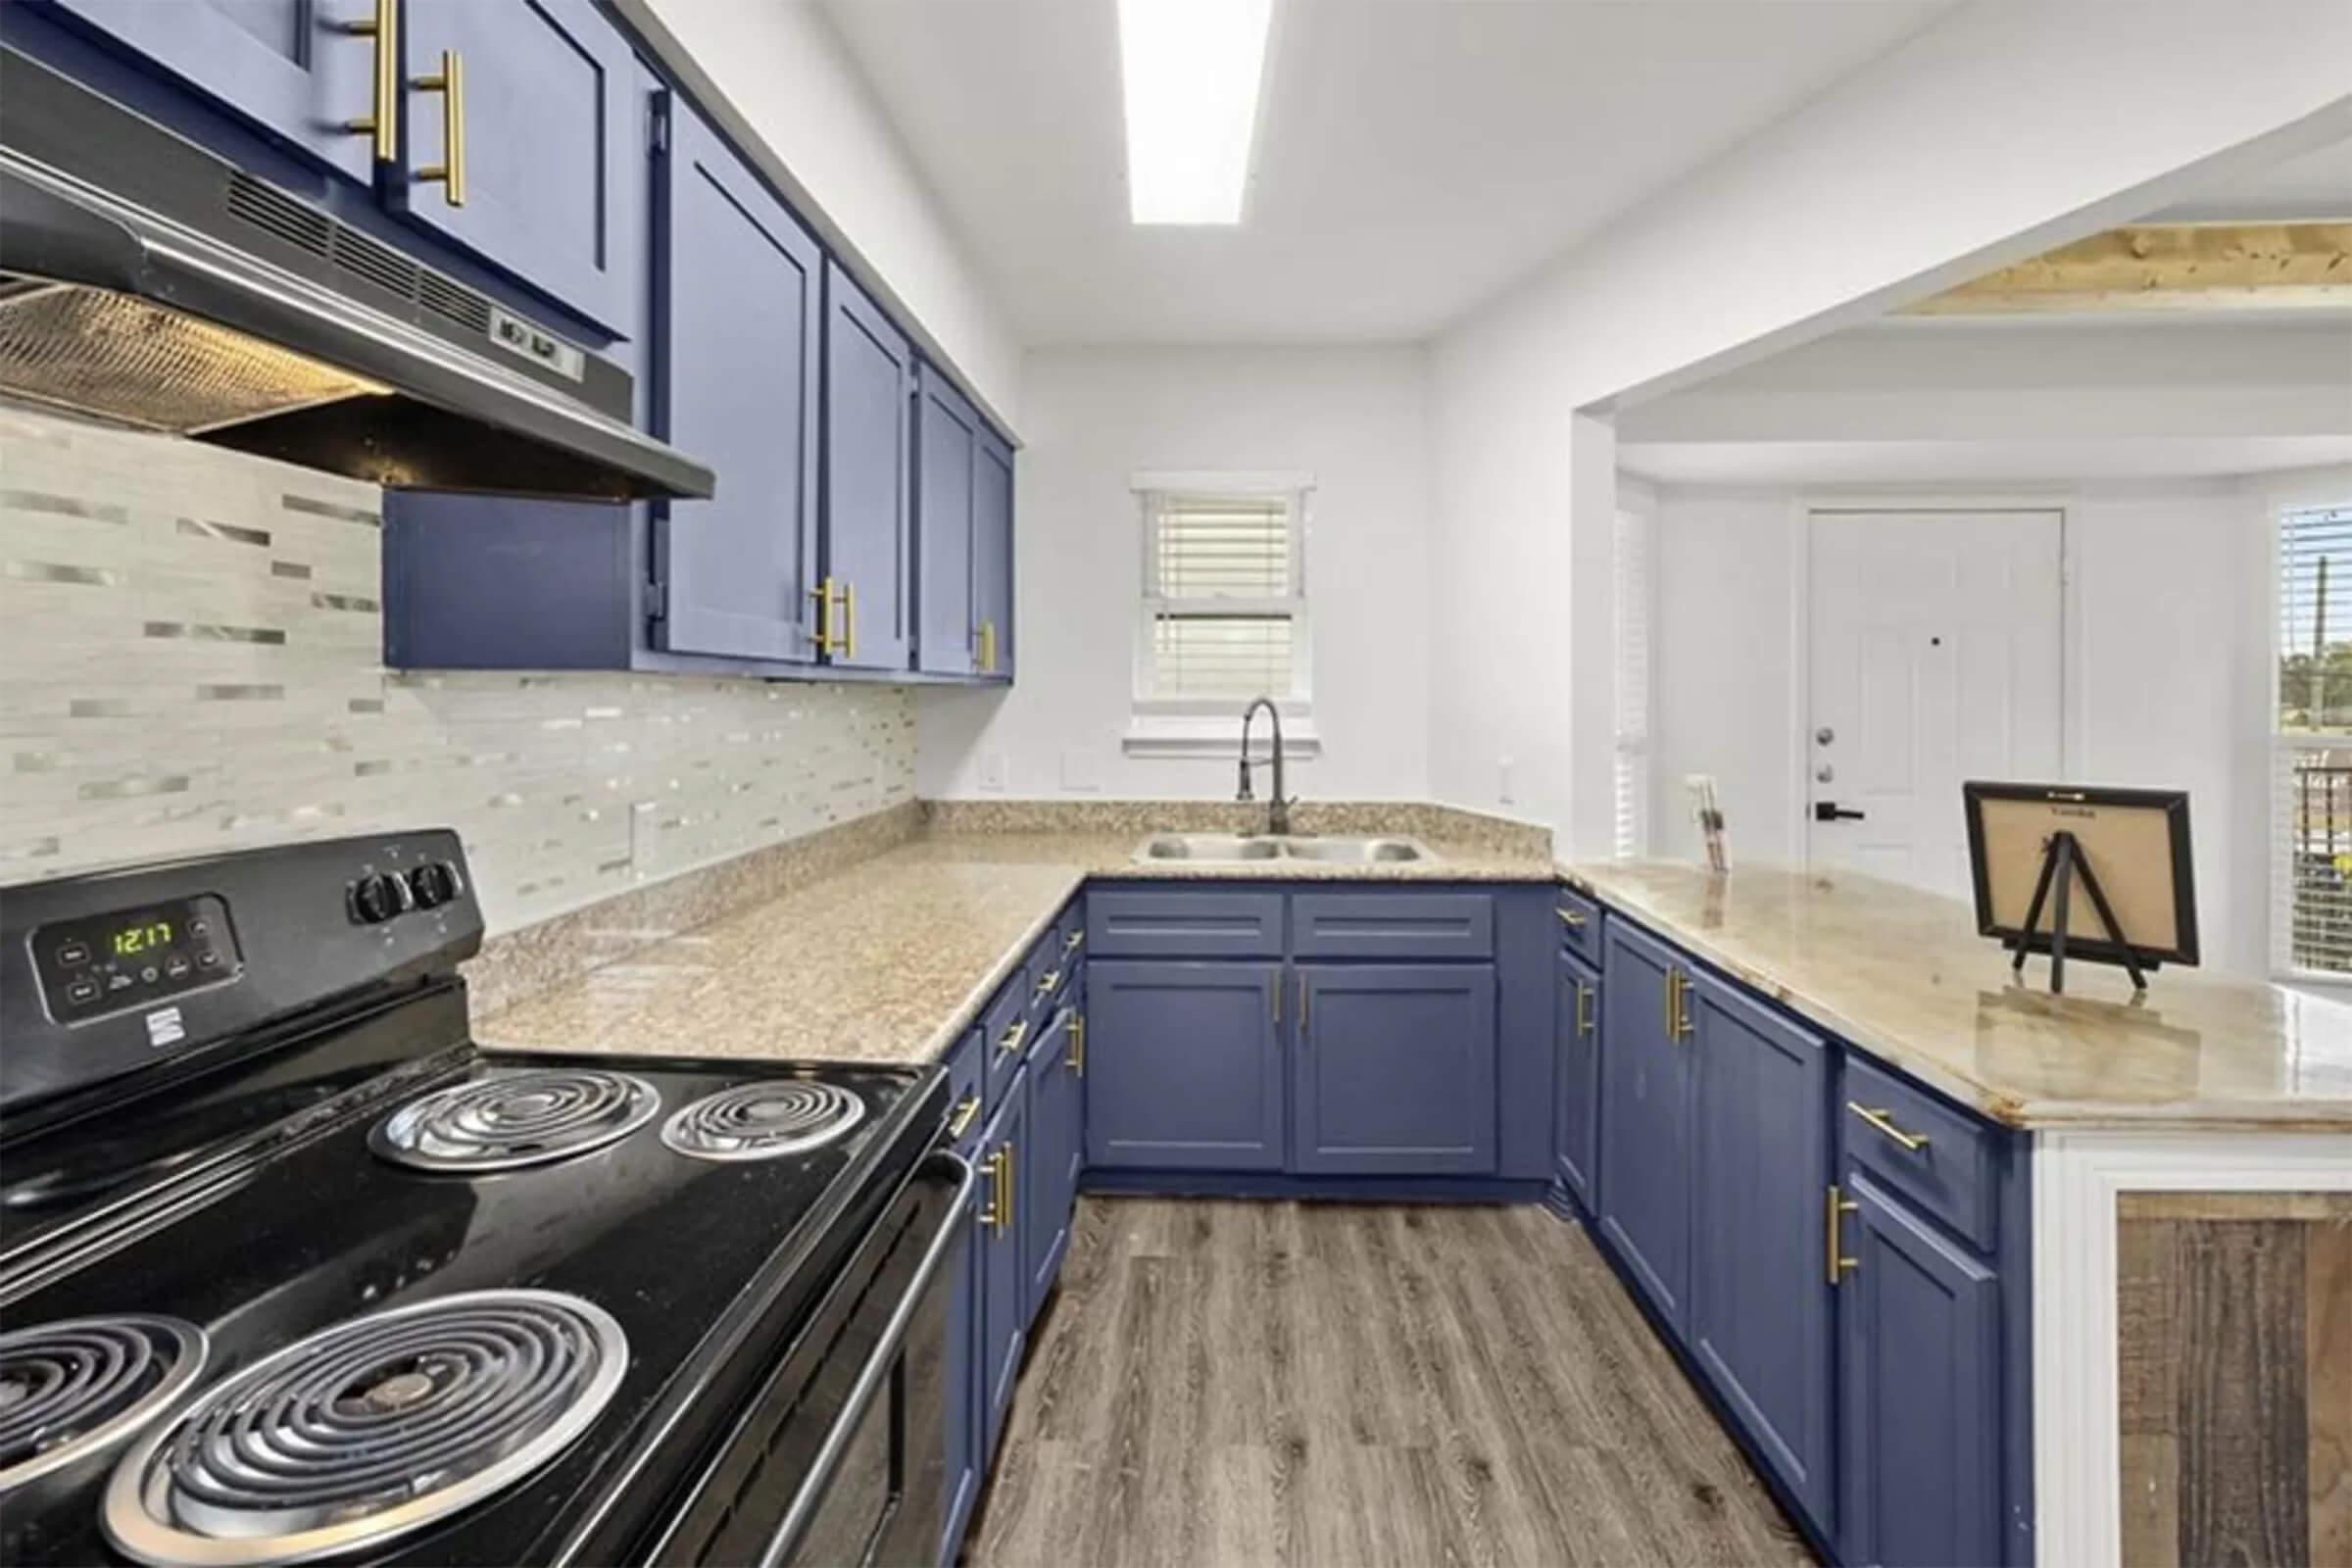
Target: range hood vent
(143, 280)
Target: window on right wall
(2311, 815)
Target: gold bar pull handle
(1303, 1006)
(450, 83)
(381, 122)
(1077, 1056)
(962, 1121)
(995, 1191)
(1573, 919)
(1046, 982)
(1882, 1120)
(1009, 1196)
(1073, 941)
(822, 593)
(1584, 1009)
(849, 620)
(1011, 1042)
(1838, 1205)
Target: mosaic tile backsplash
(190, 660)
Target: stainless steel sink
(1207, 847)
(1229, 848)
(1356, 852)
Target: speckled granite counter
(1904, 975)
(891, 958)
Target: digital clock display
(145, 937)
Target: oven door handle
(875, 1372)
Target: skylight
(1191, 69)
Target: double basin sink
(1209, 849)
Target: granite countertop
(1904, 975)
(889, 959)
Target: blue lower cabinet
(1762, 1301)
(1645, 1120)
(1576, 1075)
(1049, 1191)
(1395, 1069)
(1003, 1274)
(1919, 1451)
(1184, 1065)
(960, 1389)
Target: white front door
(1936, 655)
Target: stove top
(360, 1288)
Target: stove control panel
(107, 963)
(110, 973)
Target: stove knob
(434, 884)
(376, 899)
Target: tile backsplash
(191, 660)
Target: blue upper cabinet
(1395, 1069)
(1645, 1118)
(294, 68)
(868, 482)
(992, 554)
(1575, 1075)
(946, 447)
(518, 121)
(1762, 1298)
(739, 317)
(1184, 1065)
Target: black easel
(2062, 861)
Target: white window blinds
(1630, 590)
(2311, 871)
(1222, 596)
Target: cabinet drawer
(1389, 924)
(1184, 925)
(1005, 1028)
(966, 1094)
(1935, 1155)
(1580, 924)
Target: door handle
(381, 124)
(1832, 812)
(450, 84)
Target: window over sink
(2310, 818)
(1223, 611)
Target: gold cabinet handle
(1673, 1031)
(988, 647)
(1573, 919)
(1012, 1041)
(1838, 1205)
(381, 122)
(1072, 942)
(1584, 1009)
(450, 83)
(849, 620)
(1882, 1120)
(1077, 1056)
(1303, 1006)
(836, 619)
(995, 1191)
(962, 1121)
(1008, 1158)
(822, 593)
(1046, 982)
(1678, 1004)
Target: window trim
(1211, 726)
(2284, 743)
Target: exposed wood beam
(2170, 267)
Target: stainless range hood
(146, 281)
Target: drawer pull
(1047, 982)
(450, 84)
(1011, 1042)
(1882, 1120)
(1573, 919)
(1077, 1056)
(1070, 943)
(381, 124)
(1584, 1009)
(962, 1121)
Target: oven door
(840, 1461)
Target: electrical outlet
(991, 772)
(1503, 768)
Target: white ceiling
(2318, 185)
(1413, 156)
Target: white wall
(783, 68)
(1351, 418)
(1997, 134)
(2169, 625)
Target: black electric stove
(290, 1269)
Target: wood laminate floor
(1223, 1383)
